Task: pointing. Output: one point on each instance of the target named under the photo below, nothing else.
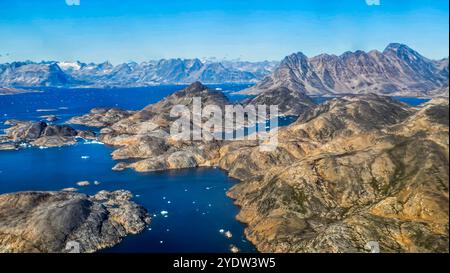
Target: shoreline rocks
(54, 221)
(40, 134)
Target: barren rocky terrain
(350, 171)
(67, 221)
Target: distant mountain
(33, 74)
(398, 70)
(165, 71)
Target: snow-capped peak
(69, 65)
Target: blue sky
(140, 30)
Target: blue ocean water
(195, 201)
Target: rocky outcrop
(290, 103)
(40, 134)
(67, 221)
(101, 117)
(397, 71)
(145, 135)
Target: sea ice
(228, 234)
(234, 249)
(83, 183)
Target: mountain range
(397, 71)
(131, 74)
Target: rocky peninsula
(67, 221)
(39, 134)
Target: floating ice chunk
(83, 183)
(46, 110)
(209, 205)
(228, 234)
(221, 230)
(234, 249)
(137, 195)
(93, 142)
(164, 198)
(96, 182)
(161, 242)
(168, 202)
(164, 212)
(85, 157)
(69, 189)
(149, 229)
(208, 188)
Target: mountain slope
(398, 70)
(33, 74)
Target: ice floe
(87, 142)
(228, 234)
(83, 183)
(69, 189)
(234, 249)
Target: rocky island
(39, 134)
(351, 171)
(67, 221)
(13, 91)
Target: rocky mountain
(166, 71)
(33, 74)
(349, 172)
(398, 70)
(49, 222)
